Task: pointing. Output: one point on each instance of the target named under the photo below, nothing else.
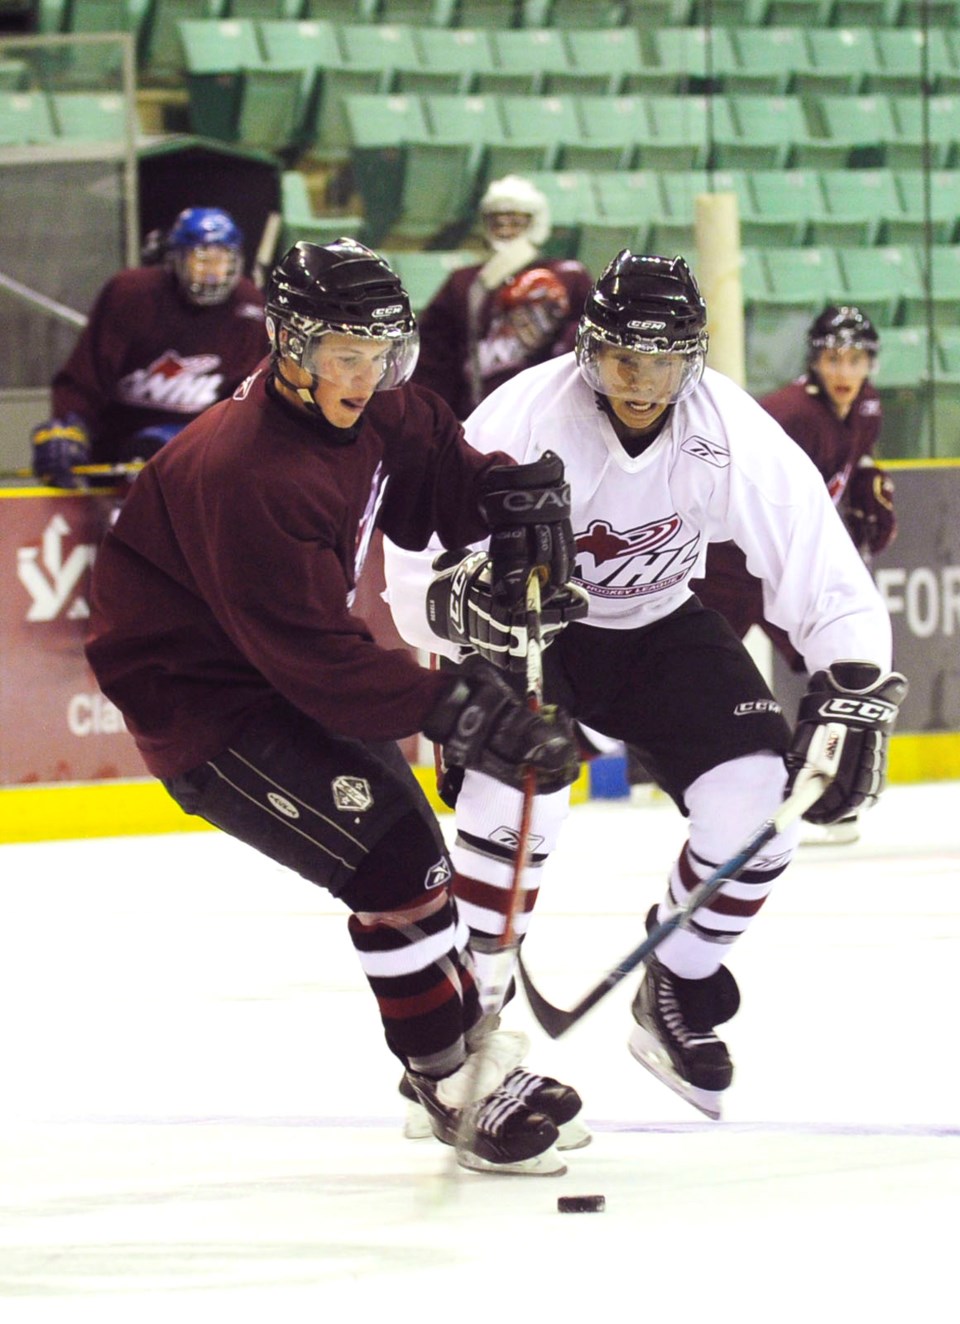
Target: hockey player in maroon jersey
(665, 456)
(834, 414)
(163, 343)
(488, 322)
(221, 627)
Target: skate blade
(416, 1125)
(649, 1053)
(573, 1135)
(547, 1164)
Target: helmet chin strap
(305, 394)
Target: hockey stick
(97, 470)
(823, 759)
(491, 997)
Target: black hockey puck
(582, 1204)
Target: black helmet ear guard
(340, 288)
(645, 305)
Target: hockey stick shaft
(822, 762)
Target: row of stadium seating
(111, 15)
(612, 60)
(425, 158)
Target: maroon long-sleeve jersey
(147, 357)
(463, 368)
(226, 581)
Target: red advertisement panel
(55, 725)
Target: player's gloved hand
(482, 723)
(869, 512)
(140, 446)
(527, 507)
(57, 446)
(462, 607)
(858, 696)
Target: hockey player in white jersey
(665, 456)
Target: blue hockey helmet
(204, 249)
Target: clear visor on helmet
(361, 364)
(655, 375)
(207, 273)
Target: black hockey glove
(859, 697)
(58, 446)
(527, 507)
(482, 723)
(462, 607)
(869, 513)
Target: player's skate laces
(673, 1036)
(561, 1103)
(504, 1134)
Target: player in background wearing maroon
(488, 322)
(163, 343)
(833, 412)
(222, 629)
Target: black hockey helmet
(841, 326)
(647, 305)
(345, 288)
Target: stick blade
(551, 1019)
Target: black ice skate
(673, 1037)
(503, 1134)
(561, 1103)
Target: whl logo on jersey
(52, 578)
(632, 563)
(184, 386)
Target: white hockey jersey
(722, 469)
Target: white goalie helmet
(513, 193)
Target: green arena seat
(783, 203)
(535, 129)
(932, 13)
(498, 14)
(255, 9)
(728, 13)
(25, 119)
(848, 131)
(610, 128)
(676, 136)
(586, 15)
(627, 203)
(876, 279)
(902, 377)
(572, 198)
(419, 13)
(160, 51)
(875, 14)
(450, 61)
(808, 14)
(910, 224)
(673, 231)
(840, 60)
(699, 58)
(341, 11)
(608, 55)
(925, 124)
(300, 220)
(944, 297)
(656, 14)
(379, 127)
(767, 60)
(304, 44)
(757, 132)
(900, 67)
(858, 203)
(525, 60)
(385, 46)
(90, 116)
